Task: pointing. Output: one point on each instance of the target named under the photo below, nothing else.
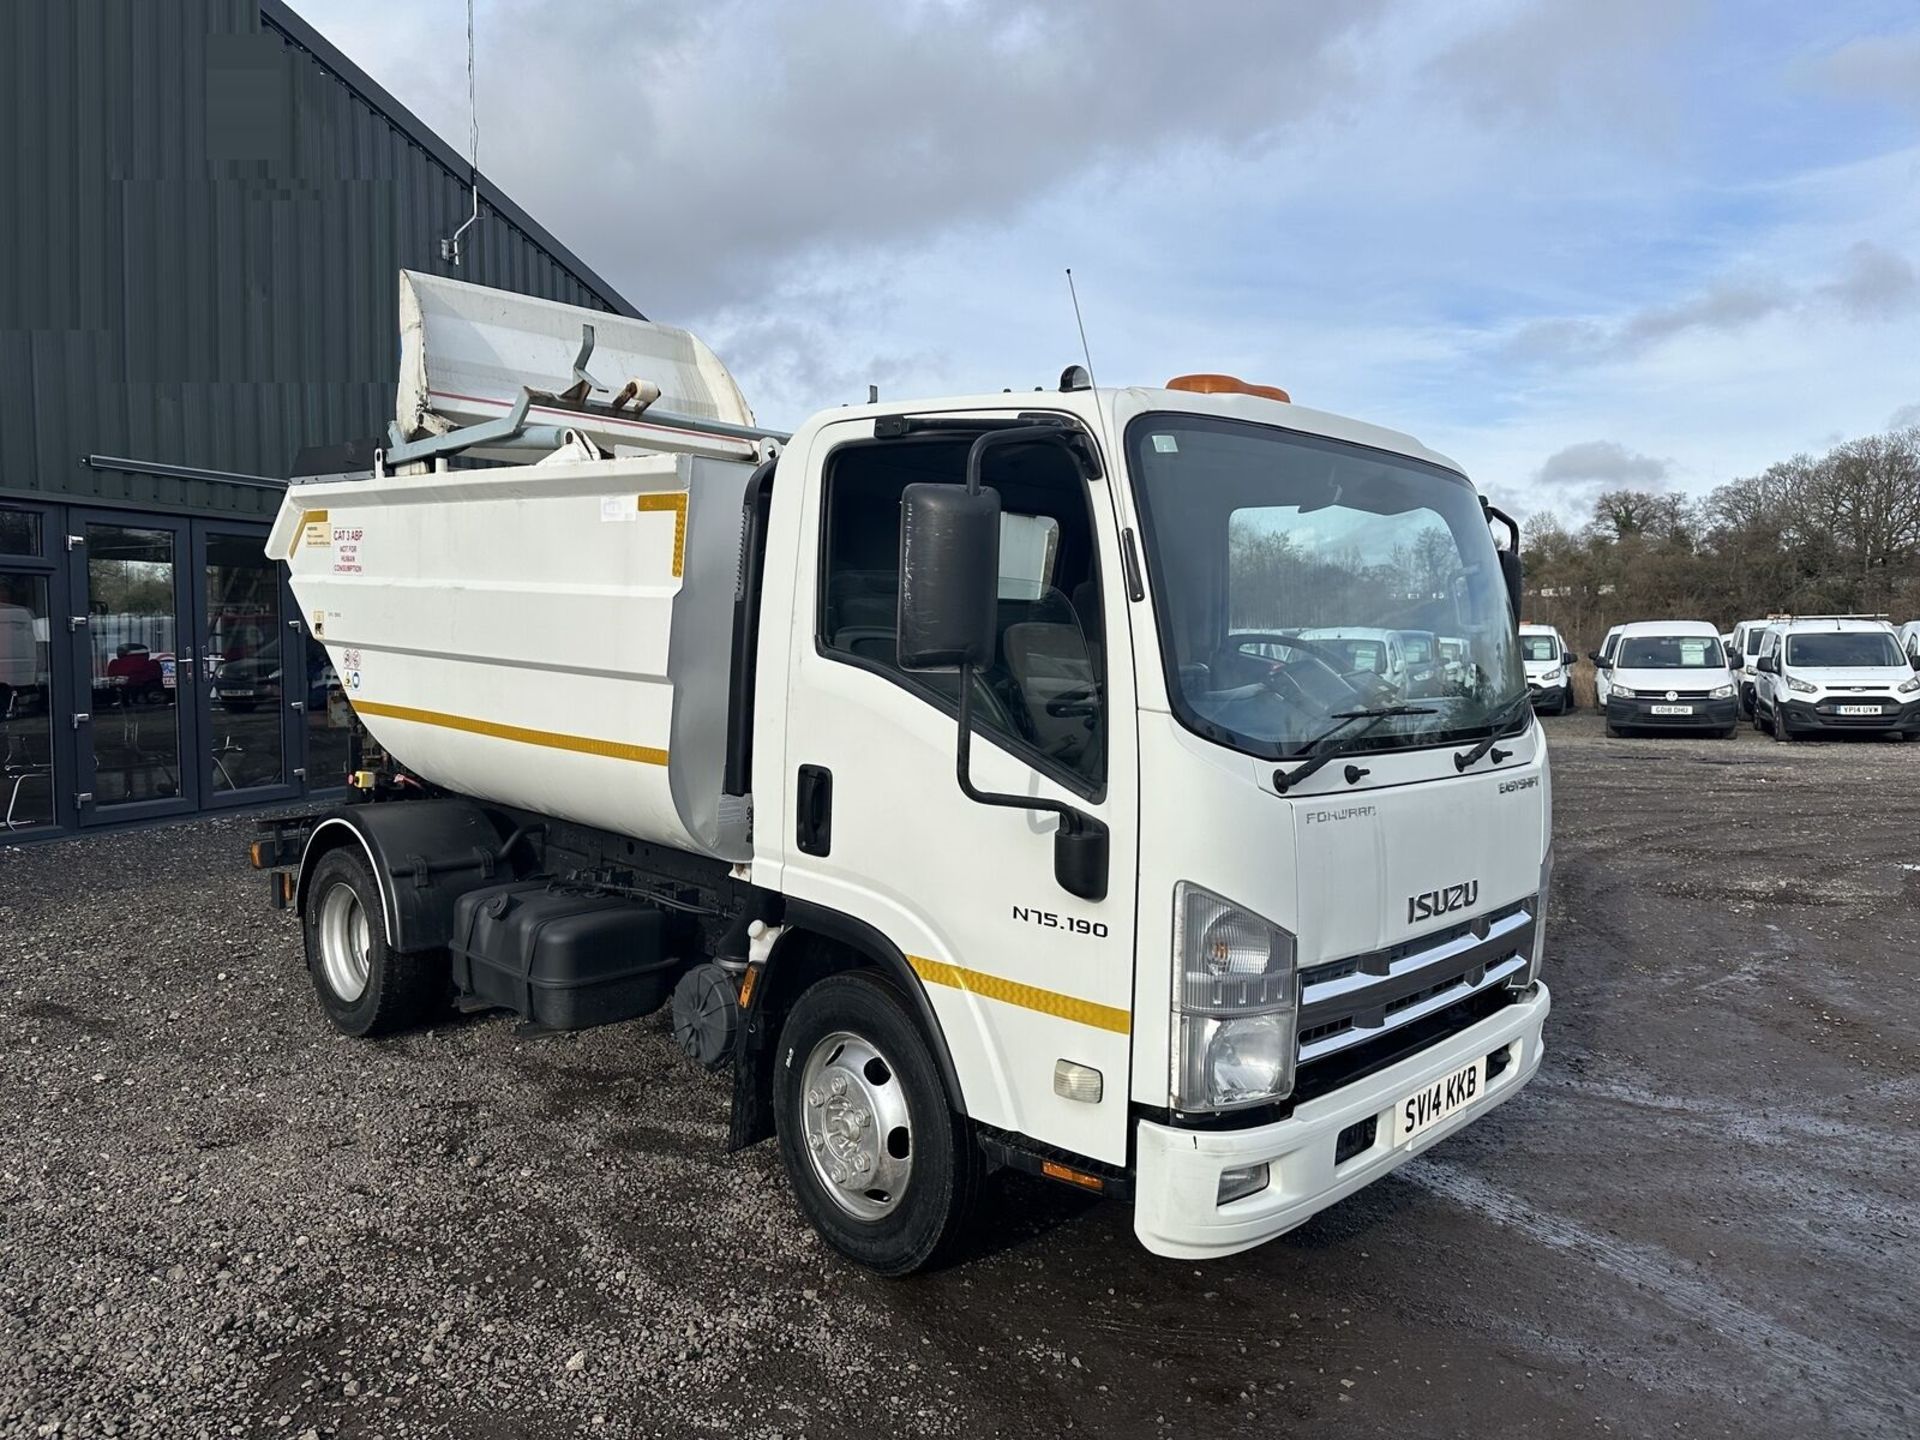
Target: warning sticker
(346, 541)
(314, 530)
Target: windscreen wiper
(1500, 717)
(1335, 749)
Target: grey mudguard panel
(699, 657)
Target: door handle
(813, 807)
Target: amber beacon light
(1227, 385)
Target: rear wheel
(365, 987)
(882, 1166)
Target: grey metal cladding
(206, 206)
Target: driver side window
(1044, 696)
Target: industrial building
(207, 205)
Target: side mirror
(1600, 662)
(1567, 657)
(1514, 574)
(1734, 662)
(949, 576)
(1080, 856)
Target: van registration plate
(1673, 709)
(1427, 1107)
(1857, 709)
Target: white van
(1746, 645)
(18, 653)
(1817, 676)
(1602, 658)
(1544, 654)
(1910, 640)
(1670, 675)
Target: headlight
(1625, 692)
(1907, 687)
(1800, 686)
(1235, 1004)
(1720, 692)
(1553, 677)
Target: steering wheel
(1075, 704)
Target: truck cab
(1021, 780)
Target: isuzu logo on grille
(1435, 903)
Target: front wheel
(883, 1167)
(365, 987)
(1780, 731)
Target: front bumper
(1804, 715)
(1707, 714)
(1548, 697)
(1176, 1209)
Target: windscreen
(1844, 649)
(1288, 569)
(1539, 647)
(1671, 652)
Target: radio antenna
(1085, 349)
(450, 249)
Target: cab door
(1020, 974)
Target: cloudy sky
(1571, 243)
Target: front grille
(1351, 1001)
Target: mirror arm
(963, 764)
(1080, 855)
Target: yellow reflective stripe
(1027, 997)
(677, 503)
(580, 744)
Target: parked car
(1545, 656)
(1816, 676)
(1602, 658)
(135, 676)
(1670, 675)
(1910, 640)
(240, 686)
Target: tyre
(364, 986)
(882, 1166)
(1780, 731)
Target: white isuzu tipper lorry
(961, 772)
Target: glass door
(255, 680)
(29, 593)
(135, 718)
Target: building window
(26, 724)
(19, 532)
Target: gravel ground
(220, 1218)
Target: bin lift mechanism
(511, 430)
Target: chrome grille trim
(1367, 996)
